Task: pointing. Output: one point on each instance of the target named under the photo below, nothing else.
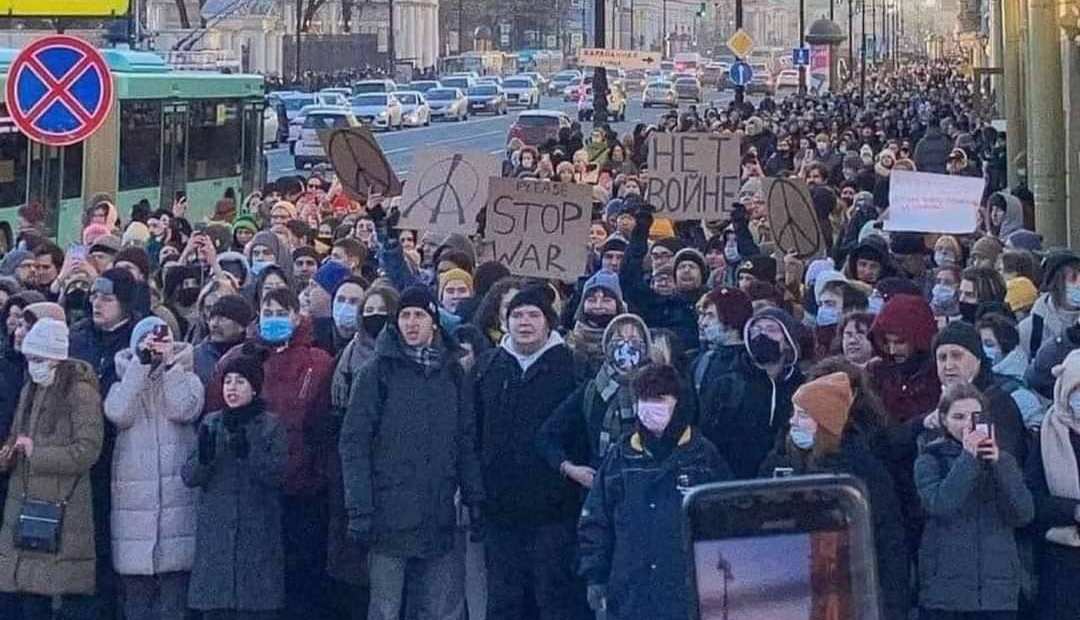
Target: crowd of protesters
(296, 409)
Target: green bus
(168, 132)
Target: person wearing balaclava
(629, 535)
(601, 302)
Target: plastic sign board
(64, 8)
(740, 73)
(741, 43)
(617, 59)
(59, 90)
(800, 57)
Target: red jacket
(296, 389)
(910, 388)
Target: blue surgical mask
(827, 316)
(802, 438)
(942, 294)
(992, 354)
(731, 254)
(1074, 403)
(257, 266)
(1072, 295)
(345, 316)
(713, 334)
(275, 328)
(875, 304)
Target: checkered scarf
(428, 357)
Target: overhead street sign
(59, 90)
(740, 73)
(64, 8)
(617, 59)
(741, 43)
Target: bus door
(173, 152)
(252, 173)
(55, 175)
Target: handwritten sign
(792, 218)
(359, 163)
(933, 203)
(692, 176)
(447, 190)
(539, 228)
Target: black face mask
(765, 350)
(598, 321)
(373, 324)
(967, 311)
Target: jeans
(435, 586)
(72, 607)
(155, 597)
(530, 573)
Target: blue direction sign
(740, 73)
(59, 90)
(800, 57)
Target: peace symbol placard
(792, 218)
(359, 163)
(447, 189)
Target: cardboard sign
(447, 190)
(792, 218)
(539, 228)
(692, 176)
(359, 163)
(933, 203)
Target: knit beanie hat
(694, 256)
(136, 256)
(762, 267)
(827, 400)
(137, 234)
(604, 280)
(961, 334)
(419, 297)
(109, 244)
(289, 208)
(118, 282)
(614, 243)
(1020, 293)
(46, 310)
(235, 308)
(245, 222)
(987, 247)
(1025, 240)
(537, 296)
(672, 244)
(48, 338)
(142, 329)
(451, 275)
(331, 275)
(92, 232)
(305, 250)
(248, 367)
(487, 274)
(13, 259)
(733, 306)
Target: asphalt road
(480, 133)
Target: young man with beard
(228, 323)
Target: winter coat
(911, 388)
(153, 513)
(630, 531)
(968, 560)
(857, 459)
(407, 445)
(1011, 369)
(64, 421)
(205, 357)
(1058, 595)
(511, 406)
(239, 558)
(1055, 321)
(12, 379)
(932, 151)
(1014, 215)
(297, 391)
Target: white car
(448, 104)
(296, 123)
(521, 91)
(660, 92)
(379, 110)
(787, 82)
(414, 108)
(331, 98)
(374, 86)
(270, 126)
(308, 150)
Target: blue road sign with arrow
(800, 56)
(740, 73)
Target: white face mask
(654, 416)
(41, 372)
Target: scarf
(1059, 464)
(428, 357)
(355, 354)
(621, 416)
(587, 340)
(236, 418)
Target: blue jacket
(630, 532)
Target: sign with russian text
(933, 203)
(617, 59)
(692, 176)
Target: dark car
(487, 98)
(534, 127)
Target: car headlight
(382, 114)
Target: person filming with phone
(973, 493)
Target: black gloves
(477, 531)
(144, 355)
(207, 445)
(238, 443)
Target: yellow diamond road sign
(740, 43)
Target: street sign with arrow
(617, 59)
(740, 73)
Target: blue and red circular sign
(59, 90)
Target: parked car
(331, 98)
(414, 108)
(660, 92)
(422, 86)
(374, 86)
(294, 102)
(521, 91)
(308, 150)
(561, 80)
(689, 87)
(486, 98)
(448, 104)
(535, 127)
(378, 110)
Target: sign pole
(740, 91)
(600, 86)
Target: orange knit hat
(827, 400)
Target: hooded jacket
(874, 244)
(911, 388)
(1055, 321)
(1014, 215)
(155, 411)
(932, 151)
(282, 258)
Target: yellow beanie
(1020, 293)
(451, 275)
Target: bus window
(71, 186)
(13, 163)
(214, 148)
(140, 144)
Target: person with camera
(47, 551)
(239, 466)
(155, 407)
(974, 498)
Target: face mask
(942, 294)
(944, 259)
(967, 311)
(258, 266)
(275, 328)
(41, 372)
(345, 316)
(731, 254)
(1074, 403)
(875, 305)
(765, 350)
(655, 417)
(1072, 295)
(992, 354)
(626, 355)
(713, 334)
(827, 316)
(802, 438)
(598, 321)
(373, 324)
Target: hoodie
(1014, 215)
(910, 388)
(525, 361)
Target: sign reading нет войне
(692, 176)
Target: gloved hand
(144, 356)
(238, 443)
(477, 529)
(207, 445)
(597, 597)
(360, 529)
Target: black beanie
(249, 367)
(961, 334)
(538, 296)
(120, 283)
(419, 297)
(235, 308)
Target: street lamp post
(873, 27)
(802, 44)
(663, 29)
(862, 64)
(740, 91)
(850, 37)
(600, 86)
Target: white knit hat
(48, 338)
